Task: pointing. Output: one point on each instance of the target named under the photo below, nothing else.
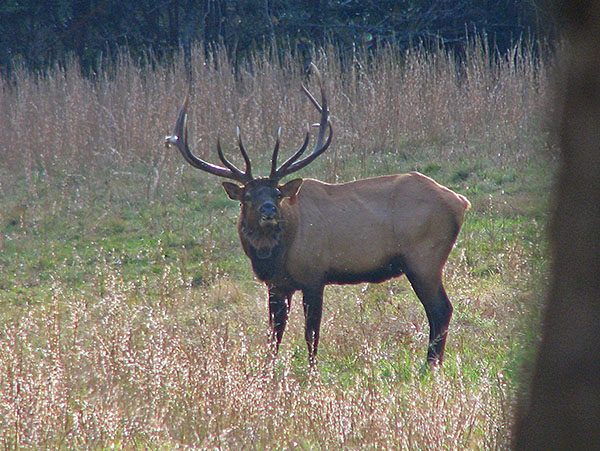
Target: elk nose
(268, 209)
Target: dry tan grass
(109, 130)
(113, 366)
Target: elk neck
(265, 245)
(261, 240)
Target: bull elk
(305, 234)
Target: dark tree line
(38, 33)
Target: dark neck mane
(266, 268)
(264, 248)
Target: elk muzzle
(268, 214)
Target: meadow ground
(130, 318)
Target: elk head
(261, 219)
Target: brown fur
(357, 227)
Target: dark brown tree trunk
(562, 410)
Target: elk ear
(234, 191)
(290, 189)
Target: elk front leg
(279, 307)
(313, 307)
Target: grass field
(130, 318)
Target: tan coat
(351, 232)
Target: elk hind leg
(438, 308)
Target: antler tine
(239, 174)
(244, 154)
(244, 176)
(291, 165)
(275, 154)
(311, 97)
(179, 139)
(282, 169)
(319, 148)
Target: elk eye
(279, 195)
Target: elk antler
(179, 139)
(291, 164)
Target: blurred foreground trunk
(562, 410)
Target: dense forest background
(40, 33)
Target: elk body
(306, 234)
